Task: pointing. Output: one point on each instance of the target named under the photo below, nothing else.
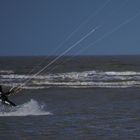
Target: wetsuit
(4, 98)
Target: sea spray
(31, 108)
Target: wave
(31, 108)
(85, 79)
(6, 71)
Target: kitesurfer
(4, 97)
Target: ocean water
(81, 98)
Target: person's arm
(7, 93)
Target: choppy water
(112, 72)
(85, 98)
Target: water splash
(31, 108)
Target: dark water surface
(77, 114)
(72, 112)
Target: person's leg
(9, 102)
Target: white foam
(6, 71)
(123, 73)
(31, 108)
(122, 84)
(72, 75)
(76, 79)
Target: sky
(50, 27)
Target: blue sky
(38, 27)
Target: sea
(75, 98)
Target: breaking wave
(6, 71)
(31, 108)
(85, 79)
